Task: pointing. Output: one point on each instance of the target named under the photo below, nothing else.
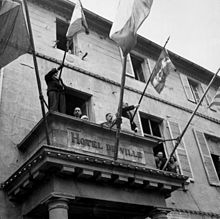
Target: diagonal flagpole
(148, 81)
(178, 140)
(119, 113)
(62, 64)
(37, 72)
(70, 36)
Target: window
(76, 98)
(216, 162)
(192, 88)
(61, 28)
(214, 147)
(151, 126)
(135, 66)
(196, 90)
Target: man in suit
(126, 112)
(55, 91)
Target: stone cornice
(211, 214)
(107, 80)
(90, 168)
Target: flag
(129, 17)
(216, 99)
(14, 37)
(78, 22)
(161, 70)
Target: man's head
(160, 154)
(172, 159)
(108, 117)
(55, 75)
(77, 112)
(125, 104)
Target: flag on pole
(78, 22)
(129, 17)
(161, 70)
(216, 99)
(14, 37)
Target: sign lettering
(131, 153)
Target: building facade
(76, 176)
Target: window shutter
(187, 88)
(208, 96)
(129, 67)
(181, 152)
(1, 82)
(206, 158)
(147, 69)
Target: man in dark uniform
(126, 112)
(55, 91)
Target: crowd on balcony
(56, 102)
(172, 165)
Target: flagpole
(148, 81)
(37, 72)
(178, 140)
(64, 56)
(119, 113)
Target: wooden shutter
(208, 96)
(187, 88)
(129, 67)
(146, 69)
(206, 158)
(1, 82)
(181, 152)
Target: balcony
(79, 164)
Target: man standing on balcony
(160, 160)
(126, 112)
(55, 91)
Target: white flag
(129, 17)
(78, 22)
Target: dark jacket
(53, 84)
(126, 111)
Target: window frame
(159, 121)
(84, 97)
(150, 118)
(193, 89)
(143, 66)
(129, 63)
(196, 89)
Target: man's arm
(49, 75)
(128, 108)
